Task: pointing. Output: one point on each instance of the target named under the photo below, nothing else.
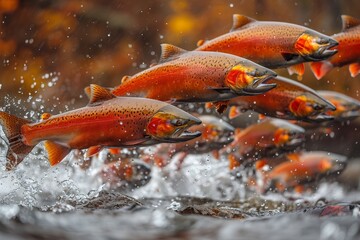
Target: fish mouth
(259, 86)
(295, 142)
(324, 52)
(182, 136)
(322, 117)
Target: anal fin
(56, 152)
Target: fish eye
(322, 41)
(317, 107)
(178, 122)
(252, 73)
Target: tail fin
(17, 149)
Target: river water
(201, 201)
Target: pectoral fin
(234, 112)
(298, 69)
(221, 90)
(93, 150)
(289, 57)
(354, 69)
(56, 152)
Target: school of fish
(233, 72)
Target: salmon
(348, 50)
(195, 76)
(290, 100)
(107, 121)
(267, 138)
(302, 168)
(272, 44)
(346, 107)
(216, 134)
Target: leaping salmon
(107, 121)
(272, 44)
(196, 76)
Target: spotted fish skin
(348, 50)
(270, 44)
(116, 122)
(187, 76)
(277, 102)
(107, 121)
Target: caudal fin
(17, 150)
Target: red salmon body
(348, 50)
(289, 100)
(107, 121)
(272, 44)
(194, 76)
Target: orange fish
(194, 76)
(348, 50)
(272, 44)
(216, 133)
(126, 173)
(268, 138)
(304, 167)
(290, 100)
(107, 121)
(346, 107)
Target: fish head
(247, 78)
(216, 130)
(346, 107)
(170, 124)
(334, 164)
(311, 108)
(288, 135)
(314, 46)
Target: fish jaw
(314, 46)
(171, 124)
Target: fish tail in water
(17, 149)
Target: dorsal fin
(169, 51)
(349, 22)
(240, 21)
(99, 94)
(125, 78)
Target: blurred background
(50, 50)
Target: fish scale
(192, 76)
(270, 44)
(107, 121)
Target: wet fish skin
(107, 121)
(216, 133)
(290, 100)
(346, 107)
(348, 50)
(303, 168)
(272, 44)
(267, 138)
(195, 76)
